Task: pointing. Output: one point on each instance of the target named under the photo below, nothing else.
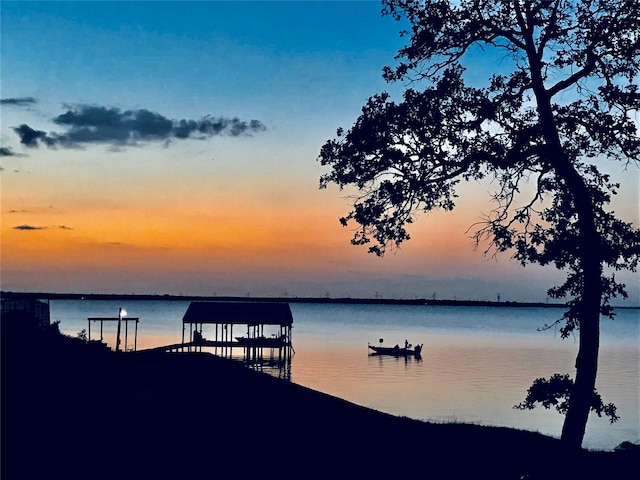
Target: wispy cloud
(8, 152)
(20, 101)
(5, 152)
(28, 227)
(89, 124)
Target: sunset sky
(171, 147)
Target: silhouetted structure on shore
(271, 349)
(119, 319)
(27, 310)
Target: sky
(171, 147)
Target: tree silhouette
(561, 103)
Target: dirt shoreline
(70, 410)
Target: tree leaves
(556, 392)
(409, 156)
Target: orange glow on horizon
(257, 230)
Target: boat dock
(216, 344)
(260, 331)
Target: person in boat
(396, 347)
(406, 343)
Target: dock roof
(245, 313)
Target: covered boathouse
(252, 327)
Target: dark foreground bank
(74, 410)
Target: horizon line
(286, 299)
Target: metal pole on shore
(121, 312)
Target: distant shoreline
(338, 300)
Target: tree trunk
(588, 300)
(588, 307)
(590, 263)
(575, 422)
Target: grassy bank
(72, 410)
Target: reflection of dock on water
(261, 331)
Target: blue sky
(188, 56)
(223, 213)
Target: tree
(563, 103)
(82, 335)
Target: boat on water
(397, 350)
(261, 341)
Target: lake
(477, 362)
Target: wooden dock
(197, 346)
(210, 326)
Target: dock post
(118, 334)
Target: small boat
(261, 341)
(397, 351)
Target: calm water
(476, 364)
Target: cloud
(20, 101)
(64, 227)
(28, 227)
(30, 137)
(6, 152)
(89, 124)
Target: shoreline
(329, 300)
(339, 300)
(76, 409)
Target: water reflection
(277, 367)
(471, 381)
(406, 359)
